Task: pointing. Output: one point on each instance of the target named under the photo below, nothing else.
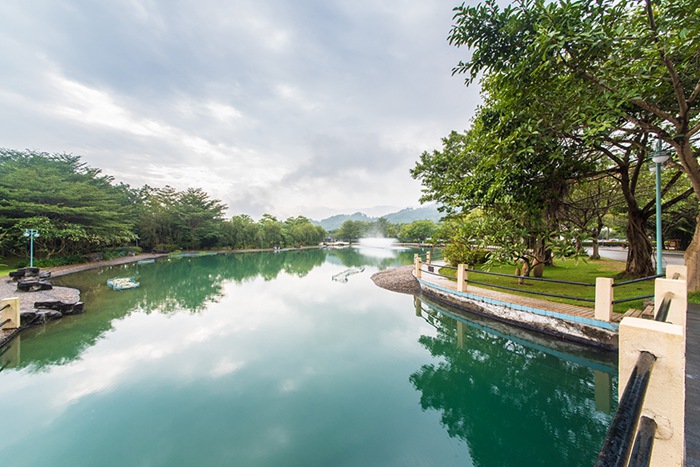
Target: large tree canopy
(630, 67)
(73, 205)
(602, 76)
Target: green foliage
(417, 231)
(461, 253)
(71, 204)
(572, 90)
(55, 261)
(351, 230)
(189, 219)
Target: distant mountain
(404, 216)
(333, 222)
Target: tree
(586, 206)
(200, 216)
(628, 66)
(269, 232)
(417, 231)
(351, 230)
(170, 219)
(507, 165)
(239, 232)
(78, 208)
(300, 231)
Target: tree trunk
(639, 254)
(692, 257)
(596, 249)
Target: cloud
(269, 106)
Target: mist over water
(378, 247)
(377, 242)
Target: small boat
(146, 261)
(122, 283)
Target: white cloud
(269, 106)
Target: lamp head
(660, 158)
(26, 233)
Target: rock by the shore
(397, 280)
(8, 289)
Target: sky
(305, 107)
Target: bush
(457, 253)
(55, 261)
(169, 247)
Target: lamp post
(31, 233)
(659, 158)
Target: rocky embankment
(397, 280)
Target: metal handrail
(618, 442)
(632, 299)
(633, 281)
(662, 314)
(530, 278)
(643, 443)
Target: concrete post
(11, 313)
(665, 397)
(603, 298)
(417, 263)
(462, 278)
(679, 302)
(682, 271)
(427, 258)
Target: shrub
(459, 253)
(55, 261)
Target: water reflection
(172, 285)
(492, 388)
(299, 370)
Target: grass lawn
(585, 272)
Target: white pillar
(417, 267)
(11, 313)
(679, 299)
(682, 271)
(665, 397)
(462, 278)
(603, 298)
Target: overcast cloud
(310, 107)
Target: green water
(262, 360)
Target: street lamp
(659, 158)
(31, 233)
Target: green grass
(585, 272)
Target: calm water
(262, 360)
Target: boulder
(29, 285)
(25, 272)
(63, 307)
